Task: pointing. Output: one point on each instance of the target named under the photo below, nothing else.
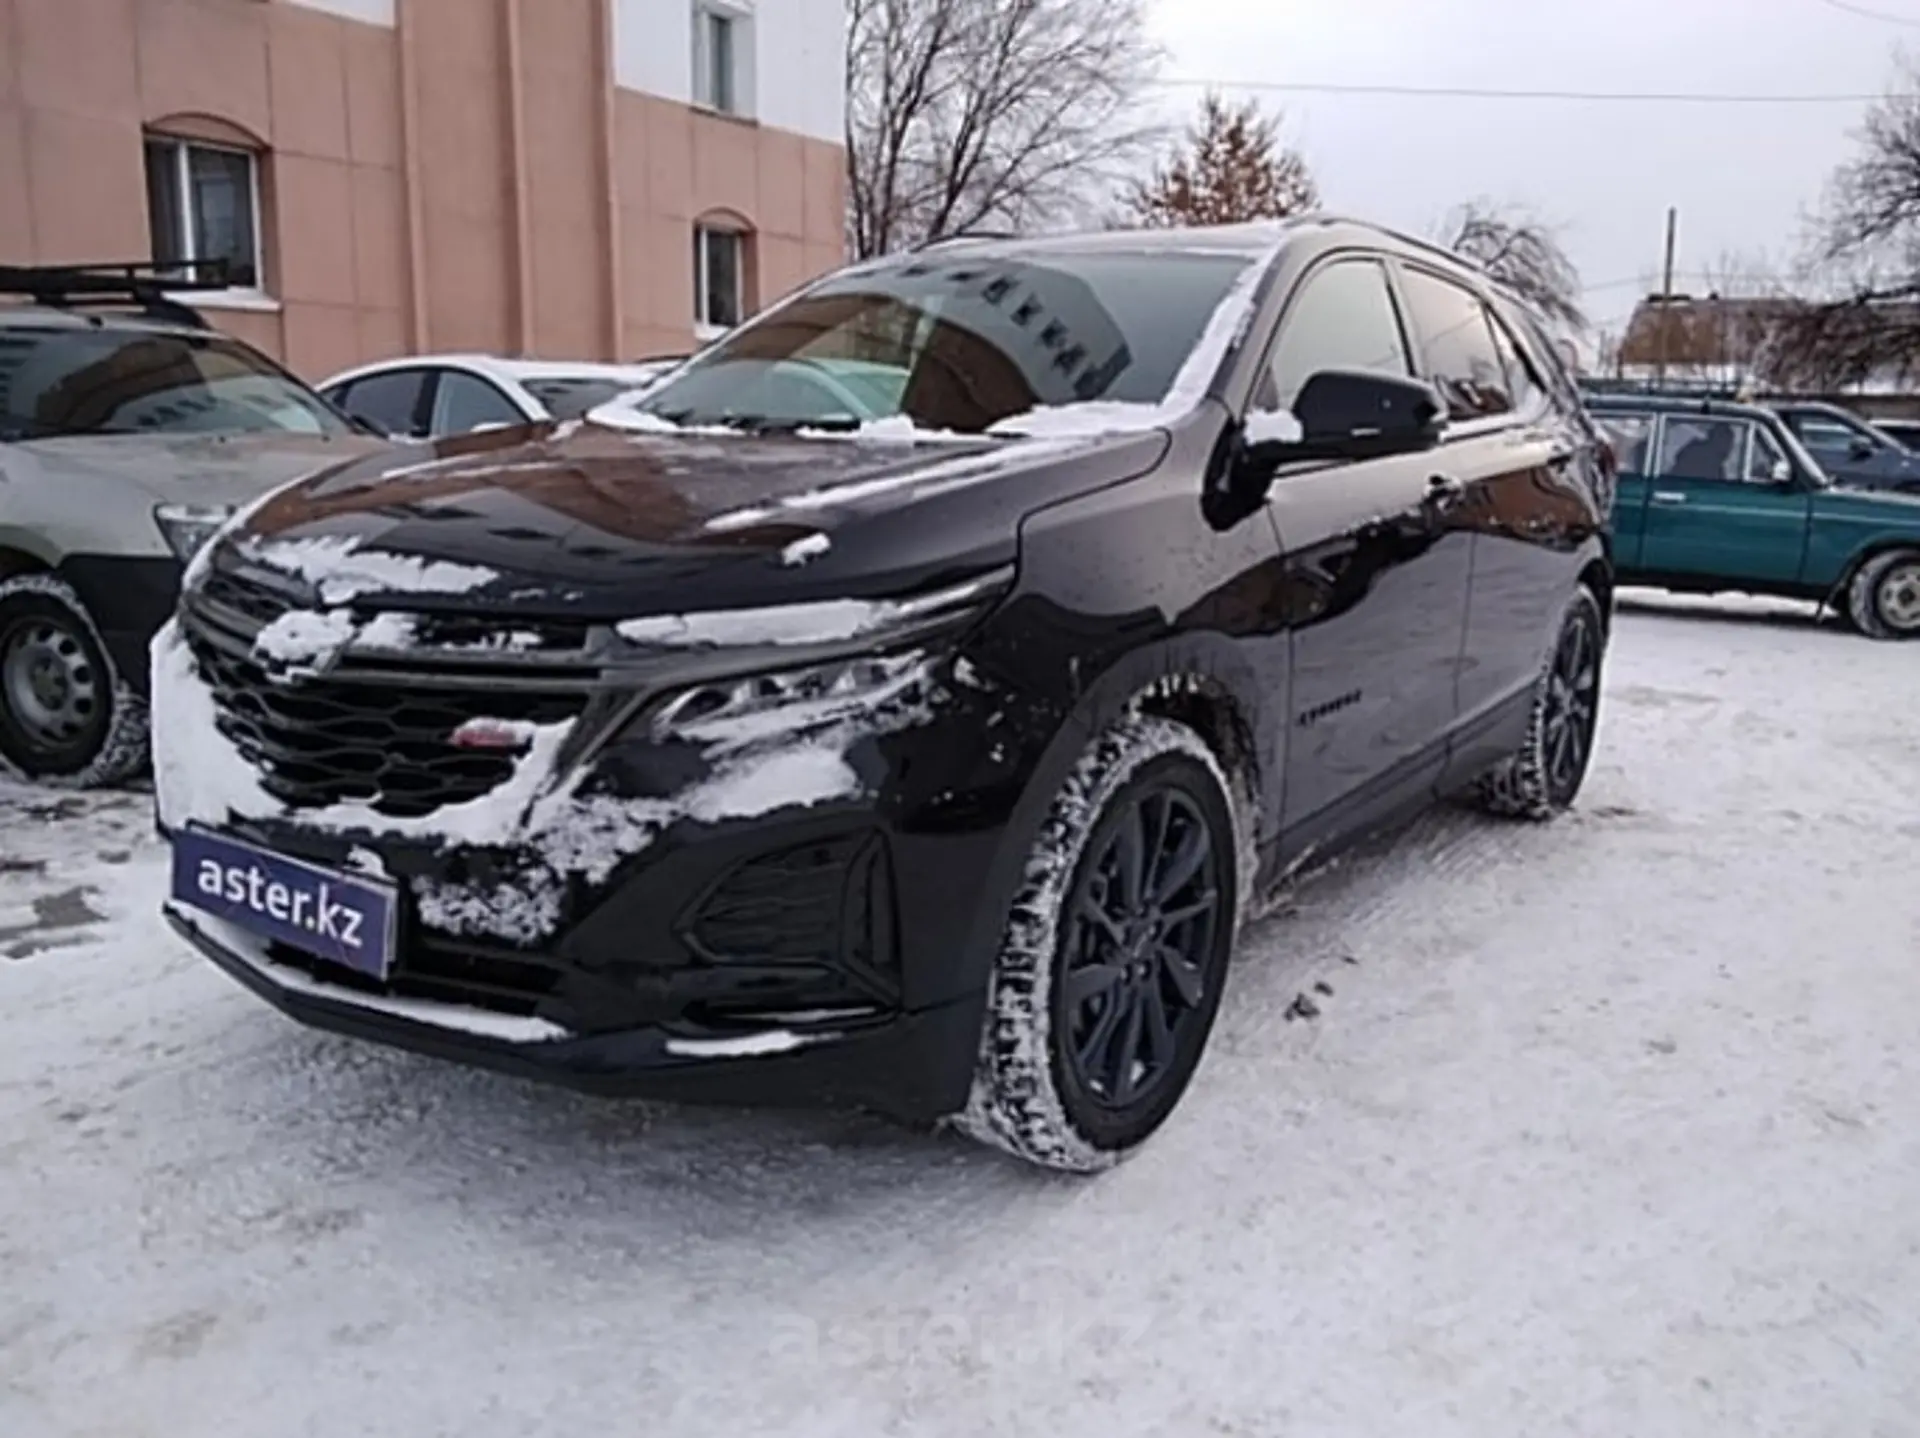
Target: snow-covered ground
(1607, 1128)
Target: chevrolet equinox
(904, 703)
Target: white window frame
(233, 297)
(703, 327)
(739, 18)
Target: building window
(722, 50)
(203, 203)
(718, 267)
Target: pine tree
(1232, 168)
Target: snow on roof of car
(513, 371)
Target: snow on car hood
(199, 468)
(605, 524)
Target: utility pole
(1666, 299)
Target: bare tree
(1522, 253)
(965, 114)
(1865, 318)
(1232, 167)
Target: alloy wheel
(1140, 940)
(1573, 704)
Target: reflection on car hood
(199, 468)
(591, 519)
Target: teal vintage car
(1717, 496)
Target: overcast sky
(1743, 176)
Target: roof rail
(958, 236)
(146, 285)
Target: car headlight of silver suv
(187, 527)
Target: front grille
(315, 741)
(242, 607)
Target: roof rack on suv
(146, 285)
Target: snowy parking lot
(1610, 1127)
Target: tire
(1543, 777)
(1883, 599)
(1074, 1106)
(67, 718)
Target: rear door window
(393, 400)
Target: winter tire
(1110, 974)
(1883, 600)
(1542, 779)
(66, 718)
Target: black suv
(903, 704)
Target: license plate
(343, 918)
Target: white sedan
(432, 396)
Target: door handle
(1559, 458)
(1668, 496)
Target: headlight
(187, 527)
(745, 710)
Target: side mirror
(1349, 414)
(1782, 472)
(1860, 449)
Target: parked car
(433, 396)
(128, 433)
(928, 766)
(1903, 432)
(1849, 450)
(1717, 497)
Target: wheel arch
(1598, 576)
(1871, 550)
(15, 562)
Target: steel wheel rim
(1141, 931)
(1573, 702)
(1899, 598)
(49, 684)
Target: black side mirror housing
(1861, 449)
(1344, 415)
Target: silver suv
(129, 431)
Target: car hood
(212, 469)
(1859, 502)
(593, 521)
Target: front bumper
(910, 1066)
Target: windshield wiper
(758, 424)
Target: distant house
(1762, 342)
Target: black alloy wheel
(1137, 959)
(1572, 704)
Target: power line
(1469, 92)
(1868, 13)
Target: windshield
(570, 396)
(61, 381)
(958, 343)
